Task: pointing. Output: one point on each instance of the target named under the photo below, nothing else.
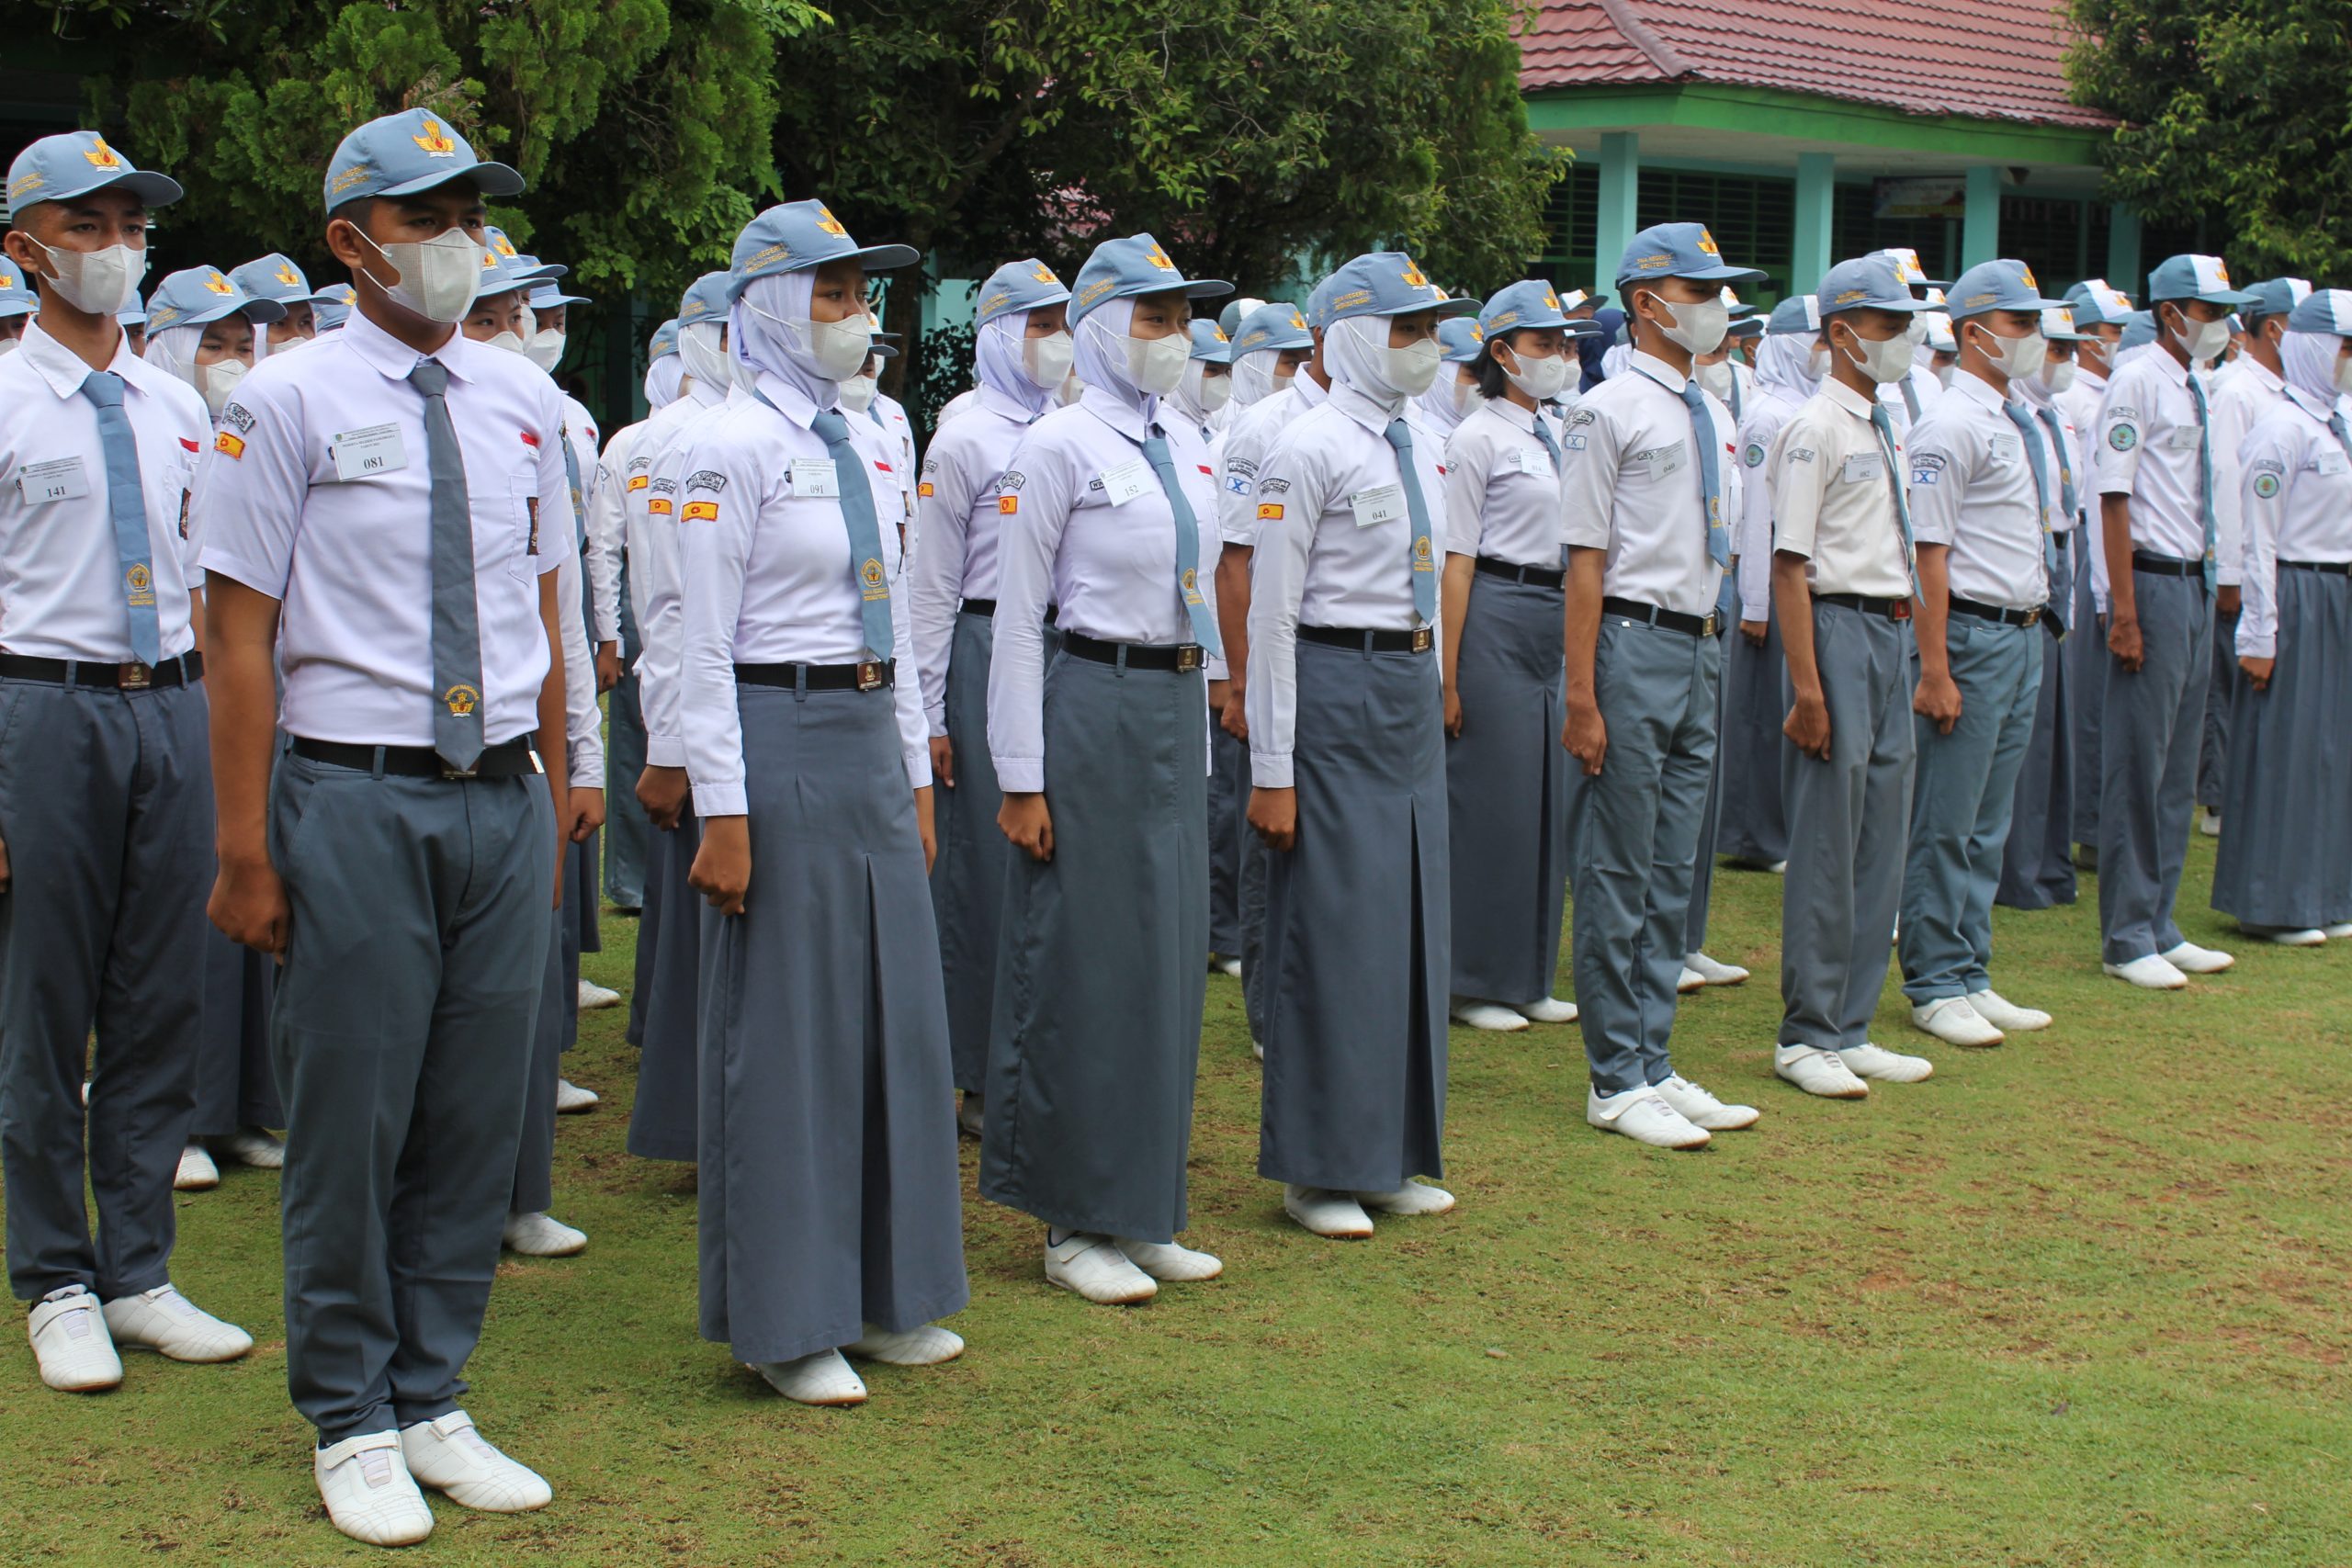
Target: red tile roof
(1982, 59)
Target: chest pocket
(509, 527)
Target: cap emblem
(1158, 259)
(217, 284)
(829, 223)
(436, 142)
(288, 275)
(102, 156)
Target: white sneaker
(571, 1098)
(69, 1341)
(2208, 822)
(1227, 966)
(1491, 1016)
(1714, 971)
(1690, 981)
(1258, 1049)
(1778, 868)
(823, 1379)
(1094, 1267)
(2191, 958)
(1820, 1072)
(1336, 1216)
(1413, 1198)
(1703, 1110)
(368, 1492)
(971, 1116)
(166, 1321)
(2287, 936)
(1952, 1020)
(453, 1459)
(594, 996)
(256, 1146)
(1551, 1010)
(926, 1345)
(542, 1236)
(196, 1172)
(1167, 1261)
(2337, 931)
(1643, 1115)
(1870, 1061)
(2006, 1015)
(2150, 972)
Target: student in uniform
(103, 785)
(1021, 352)
(333, 310)
(2284, 869)
(2037, 862)
(2100, 313)
(275, 276)
(2156, 476)
(1507, 780)
(1644, 462)
(1455, 394)
(1843, 586)
(1985, 487)
(1103, 758)
(831, 1215)
(385, 501)
(1347, 764)
(1911, 394)
(18, 304)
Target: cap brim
(1707, 274)
(263, 311)
(154, 189)
(2034, 304)
(13, 307)
(489, 179)
(546, 272)
(883, 350)
(1906, 306)
(1460, 305)
(322, 298)
(880, 258)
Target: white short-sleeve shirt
(1972, 489)
(1831, 497)
(1632, 486)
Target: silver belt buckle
(461, 774)
(869, 676)
(2032, 616)
(1423, 640)
(1188, 657)
(135, 676)
(1712, 625)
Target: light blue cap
(1209, 343)
(1130, 266)
(2278, 295)
(2139, 329)
(1460, 338)
(1025, 284)
(2195, 277)
(1318, 306)
(333, 306)
(1679, 250)
(2058, 325)
(1797, 313)
(275, 276)
(1272, 327)
(665, 339)
(527, 266)
(706, 299)
(1388, 283)
(2097, 303)
(2323, 310)
(800, 235)
(196, 295)
(2003, 285)
(76, 162)
(1745, 326)
(1872, 282)
(15, 300)
(407, 153)
(1526, 305)
(133, 314)
(546, 295)
(503, 268)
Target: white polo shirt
(889, 416)
(956, 503)
(1502, 494)
(1832, 500)
(1633, 487)
(607, 530)
(649, 524)
(1973, 491)
(2147, 448)
(2296, 495)
(2251, 391)
(320, 495)
(62, 589)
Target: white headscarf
(1102, 356)
(996, 361)
(1784, 361)
(1354, 348)
(662, 378)
(2309, 359)
(1253, 376)
(172, 351)
(706, 364)
(1436, 404)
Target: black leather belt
(987, 607)
(1179, 657)
(870, 676)
(1671, 620)
(186, 669)
(1540, 576)
(2166, 566)
(1892, 609)
(1420, 640)
(2340, 568)
(1996, 613)
(508, 759)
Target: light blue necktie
(1188, 543)
(2204, 472)
(457, 623)
(2066, 498)
(1910, 398)
(1424, 562)
(2032, 445)
(1885, 425)
(580, 533)
(1551, 447)
(1711, 477)
(2342, 433)
(865, 531)
(127, 507)
(1736, 415)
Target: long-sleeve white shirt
(1246, 440)
(2240, 400)
(651, 519)
(2296, 498)
(1764, 412)
(957, 502)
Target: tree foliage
(2238, 112)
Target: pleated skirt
(661, 1123)
(1228, 824)
(968, 875)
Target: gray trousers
(1228, 828)
(106, 807)
(556, 1031)
(2154, 729)
(1848, 821)
(417, 958)
(2220, 699)
(628, 834)
(1711, 818)
(1963, 796)
(1634, 844)
(2085, 651)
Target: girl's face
(1159, 315)
(232, 337)
(499, 313)
(838, 292)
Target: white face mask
(2342, 375)
(1716, 378)
(2203, 340)
(218, 383)
(97, 282)
(1542, 379)
(1699, 328)
(1884, 360)
(857, 393)
(1943, 375)
(1461, 392)
(7, 346)
(1047, 360)
(544, 348)
(2019, 358)
(705, 360)
(1215, 392)
(510, 339)
(439, 277)
(2058, 375)
(1413, 370)
(837, 350)
(1281, 383)
(1158, 363)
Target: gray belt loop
(73, 673)
(1122, 661)
(800, 683)
(376, 766)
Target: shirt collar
(394, 359)
(1005, 405)
(2267, 379)
(64, 370)
(1503, 408)
(1657, 370)
(2166, 366)
(1353, 401)
(1115, 411)
(2319, 410)
(787, 400)
(1845, 398)
(1311, 392)
(1978, 391)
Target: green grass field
(2078, 1299)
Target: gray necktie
(457, 627)
(127, 510)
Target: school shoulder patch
(1274, 487)
(2122, 438)
(229, 445)
(1008, 504)
(1269, 512)
(1012, 479)
(237, 414)
(2266, 485)
(1800, 453)
(1581, 417)
(705, 478)
(1931, 461)
(1754, 457)
(1925, 477)
(700, 512)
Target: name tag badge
(1667, 460)
(60, 479)
(815, 477)
(1530, 461)
(2181, 438)
(1129, 480)
(1861, 468)
(2333, 462)
(1382, 503)
(2005, 448)
(364, 454)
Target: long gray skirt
(2086, 656)
(1711, 824)
(1507, 792)
(967, 876)
(1358, 939)
(557, 1027)
(662, 1124)
(831, 1194)
(581, 909)
(1751, 825)
(235, 1084)
(2037, 863)
(1103, 962)
(1228, 824)
(2285, 857)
